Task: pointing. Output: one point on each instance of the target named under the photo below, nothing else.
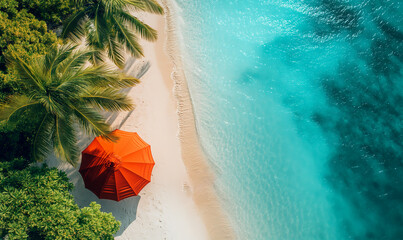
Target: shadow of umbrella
(115, 171)
(124, 211)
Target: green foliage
(20, 33)
(108, 26)
(8, 85)
(62, 90)
(16, 143)
(45, 92)
(24, 35)
(35, 203)
(18, 137)
(9, 6)
(53, 12)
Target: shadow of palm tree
(134, 68)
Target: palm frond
(16, 106)
(128, 38)
(54, 57)
(102, 76)
(42, 144)
(55, 102)
(116, 52)
(153, 6)
(73, 63)
(97, 57)
(27, 73)
(73, 27)
(150, 6)
(94, 76)
(124, 81)
(143, 29)
(49, 59)
(101, 30)
(109, 100)
(64, 140)
(73, 87)
(91, 121)
(113, 6)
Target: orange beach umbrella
(117, 170)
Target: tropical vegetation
(62, 90)
(108, 24)
(53, 12)
(20, 33)
(50, 90)
(35, 203)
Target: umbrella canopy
(117, 170)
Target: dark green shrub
(35, 203)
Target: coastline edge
(200, 173)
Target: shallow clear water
(299, 107)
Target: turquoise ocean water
(299, 107)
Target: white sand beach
(180, 202)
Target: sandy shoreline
(199, 171)
(180, 202)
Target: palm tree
(108, 26)
(65, 92)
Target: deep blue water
(299, 107)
